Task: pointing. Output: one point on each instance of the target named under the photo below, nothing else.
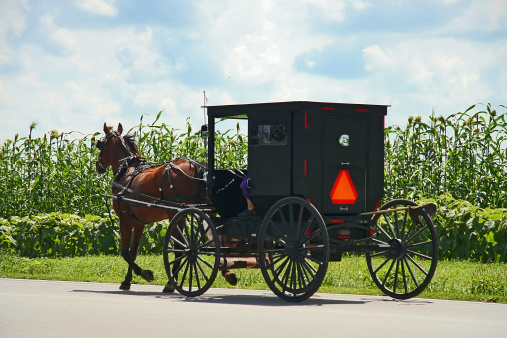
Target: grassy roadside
(456, 280)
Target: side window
(269, 134)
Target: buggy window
(269, 134)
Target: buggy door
(345, 149)
(269, 158)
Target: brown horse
(179, 180)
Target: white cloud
(12, 22)
(12, 18)
(60, 36)
(70, 78)
(376, 58)
(98, 7)
(255, 61)
(481, 16)
(330, 10)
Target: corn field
(57, 173)
(463, 155)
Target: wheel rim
(191, 252)
(293, 249)
(407, 263)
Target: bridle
(101, 145)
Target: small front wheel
(293, 249)
(408, 249)
(191, 252)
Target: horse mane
(129, 141)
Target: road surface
(34, 308)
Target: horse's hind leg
(138, 234)
(129, 253)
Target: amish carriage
(315, 179)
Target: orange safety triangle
(343, 191)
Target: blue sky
(73, 65)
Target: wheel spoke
(196, 274)
(397, 226)
(380, 253)
(382, 265)
(278, 259)
(302, 278)
(419, 244)
(396, 271)
(279, 269)
(200, 259)
(310, 269)
(390, 227)
(312, 236)
(177, 259)
(416, 235)
(277, 240)
(388, 273)
(184, 262)
(405, 219)
(417, 264)
(411, 272)
(419, 255)
(409, 230)
(183, 237)
(300, 233)
(382, 229)
(376, 240)
(176, 241)
(404, 276)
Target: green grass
(455, 280)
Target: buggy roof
(241, 111)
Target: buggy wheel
(191, 252)
(293, 249)
(405, 265)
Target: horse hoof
(230, 277)
(124, 286)
(168, 288)
(148, 275)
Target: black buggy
(316, 179)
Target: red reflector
(337, 221)
(306, 167)
(343, 237)
(344, 191)
(327, 108)
(306, 121)
(376, 207)
(362, 110)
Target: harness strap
(167, 172)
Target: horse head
(113, 148)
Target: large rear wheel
(293, 249)
(191, 252)
(407, 260)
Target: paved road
(32, 308)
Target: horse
(178, 180)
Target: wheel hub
(291, 250)
(191, 252)
(398, 249)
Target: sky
(71, 65)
